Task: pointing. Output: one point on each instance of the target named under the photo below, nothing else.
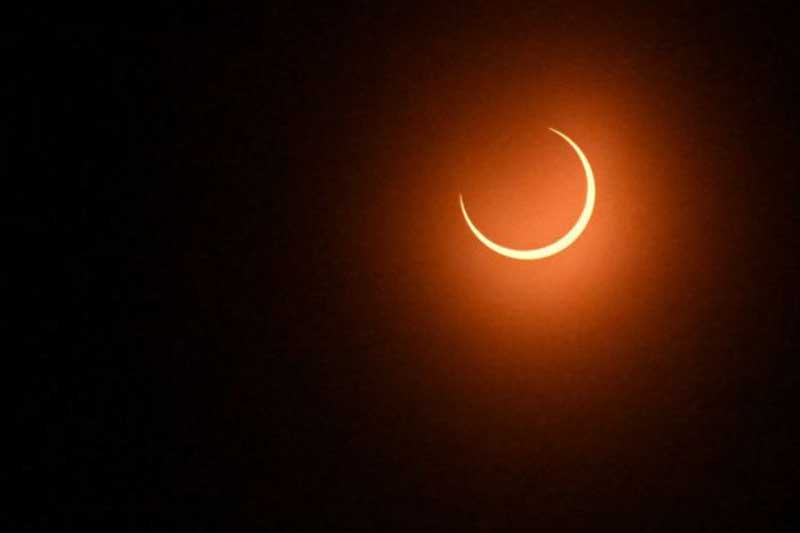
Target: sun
(566, 240)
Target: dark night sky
(230, 326)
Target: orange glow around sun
(482, 131)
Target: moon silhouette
(564, 241)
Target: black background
(181, 185)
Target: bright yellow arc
(563, 242)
